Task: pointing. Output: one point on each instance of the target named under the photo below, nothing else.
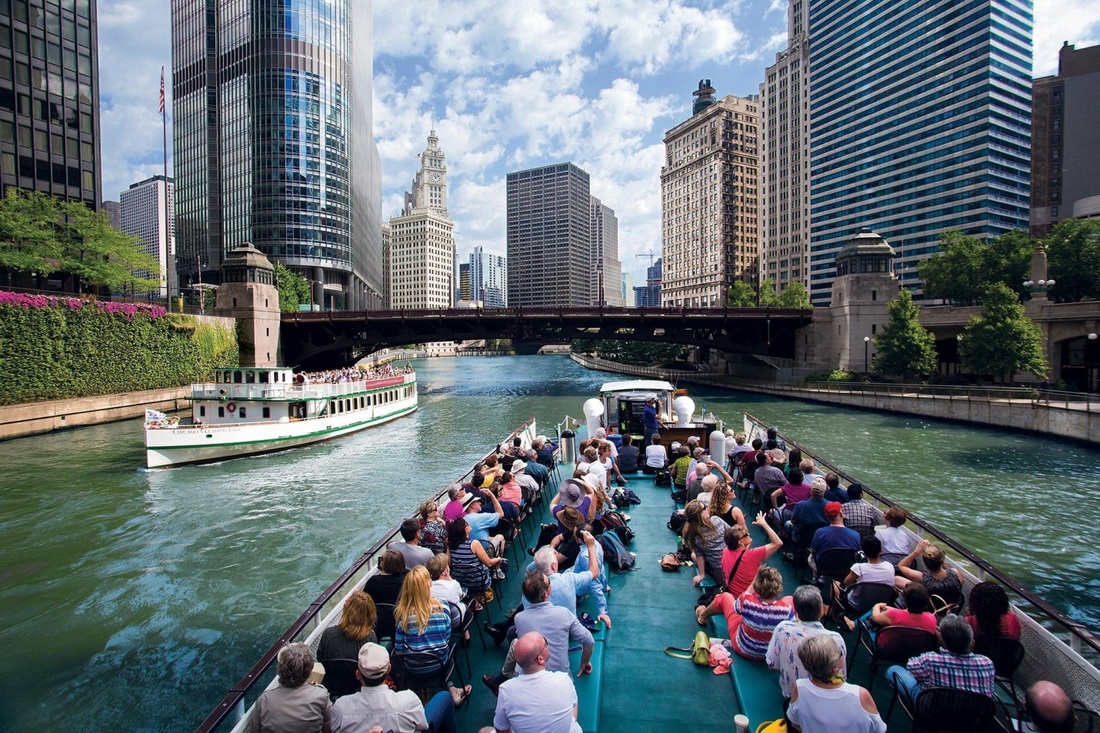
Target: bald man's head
(1049, 707)
(531, 652)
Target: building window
(202, 411)
(267, 412)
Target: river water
(133, 599)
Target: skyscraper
(607, 275)
(1065, 180)
(785, 159)
(549, 237)
(273, 143)
(919, 124)
(488, 278)
(649, 295)
(146, 212)
(709, 205)
(421, 241)
(49, 99)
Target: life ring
(232, 407)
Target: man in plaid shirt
(954, 666)
(860, 515)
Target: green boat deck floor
(643, 689)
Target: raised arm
(774, 542)
(905, 564)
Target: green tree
(1008, 259)
(958, 272)
(794, 296)
(767, 294)
(1073, 260)
(28, 233)
(904, 347)
(42, 234)
(1003, 341)
(741, 295)
(293, 288)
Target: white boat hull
(169, 444)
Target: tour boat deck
(639, 687)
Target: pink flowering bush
(127, 310)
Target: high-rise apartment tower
(549, 237)
(785, 159)
(146, 212)
(1065, 148)
(607, 282)
(273, 142)
(709, 202)
(488, 278)
(919, 123)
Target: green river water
(133, 599)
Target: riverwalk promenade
(1071, 415)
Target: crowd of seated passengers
(354, 374)
(818, 665)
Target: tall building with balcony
(49, 99)
(145, 210)
(785, 159)
(421, 255)
(607, 274)
(919, 123)
(1065, 180)
(273, 143)
(549, 237)
(488, 278)
(710, 233)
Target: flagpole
(169, 257)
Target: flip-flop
(462, 696)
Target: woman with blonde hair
(720, 504)
(423, 624)
(704, 536)
(752, 618)
(825, 702)
(355, 629)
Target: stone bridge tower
(248, 294)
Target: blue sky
(512, 85)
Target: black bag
(709, 594)
(680, 496)
(615, 554)
(613, 521)
(632, 497)
(662, 478)
(620, 498)
(676, 522)
(546, 534)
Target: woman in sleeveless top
(469, 562)
(825, 702)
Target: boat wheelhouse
(623, 403)
(250, 410)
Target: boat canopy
(631, 385)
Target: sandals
(461, 696)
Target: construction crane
(650, 255)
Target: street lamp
(866, 346)
(1035, 288)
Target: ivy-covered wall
(54, 348)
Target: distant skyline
(509, 87)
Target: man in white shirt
(538, 701)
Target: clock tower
(430, 184)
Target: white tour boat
(250, 410)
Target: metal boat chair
(943, 604)
(340, 677)
(422, 672)
(832, 565)
(872, 593)
(892, 644)
(386, 627)
(947, 709)
(1006, 654)
(801, 539)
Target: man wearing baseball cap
(377, 705)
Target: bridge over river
(319, 340)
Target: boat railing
(1074, 649)
(317, 391)
(323, 610)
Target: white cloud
(1076, 21)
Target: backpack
(615, 554)
(676, 522)
(620, 498)
(614, 521)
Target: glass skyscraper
(920, 123)
(273, 141)
(49, 99)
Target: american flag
(161, 110)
